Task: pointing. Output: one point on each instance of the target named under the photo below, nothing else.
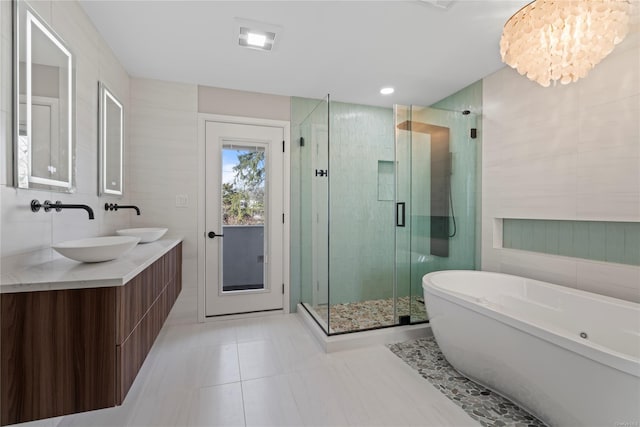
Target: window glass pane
(243, 217)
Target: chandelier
(551, 40)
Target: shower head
(466, 112)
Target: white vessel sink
(96, 249)
(146, 235)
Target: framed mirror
(111, 142)
(44, 105)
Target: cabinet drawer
(170, 261)
(136, 297)
(133, 352)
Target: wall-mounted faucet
(58, 206)
(115, 207)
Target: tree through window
(243, 185)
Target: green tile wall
(386, 176)
(464, 154)
(617, 242)
(361, 209)
(361, 231)
(470, 98)
(464, 247)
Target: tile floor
(269, 371)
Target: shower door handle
(400, 217)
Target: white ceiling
(349, 49)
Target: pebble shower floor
(356, 316)
(483, 405)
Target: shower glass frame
(314, 204)
(323, 220)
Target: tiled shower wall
(470, 98)
(564, 153)
(361, 253)
(23, 231)
(361, 223)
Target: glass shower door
(314, 211)
(402, 126)
(436, 184)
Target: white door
(244, 218)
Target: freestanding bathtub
(570, 357)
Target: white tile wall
(163, 162)
(42, 8)
(161, 94)
(5, 144)
(621, 280)
(566, 152)
(5, 90)
(21, 230)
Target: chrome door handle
(212, 235)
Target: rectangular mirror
(44, 107)
(111, 142)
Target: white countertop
(47, 270)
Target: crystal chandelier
(551, 40)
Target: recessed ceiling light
(387, 90)
(255, 39)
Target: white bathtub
(522, 338)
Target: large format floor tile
(220, 405)
(269, 371)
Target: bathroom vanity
(74, 336)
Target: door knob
(212, 234)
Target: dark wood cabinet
(58, 353)
(68, 351)
(144, 304)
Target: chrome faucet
(58, 206)
(115, 207)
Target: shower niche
(398, 201)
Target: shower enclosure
(383, 196)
